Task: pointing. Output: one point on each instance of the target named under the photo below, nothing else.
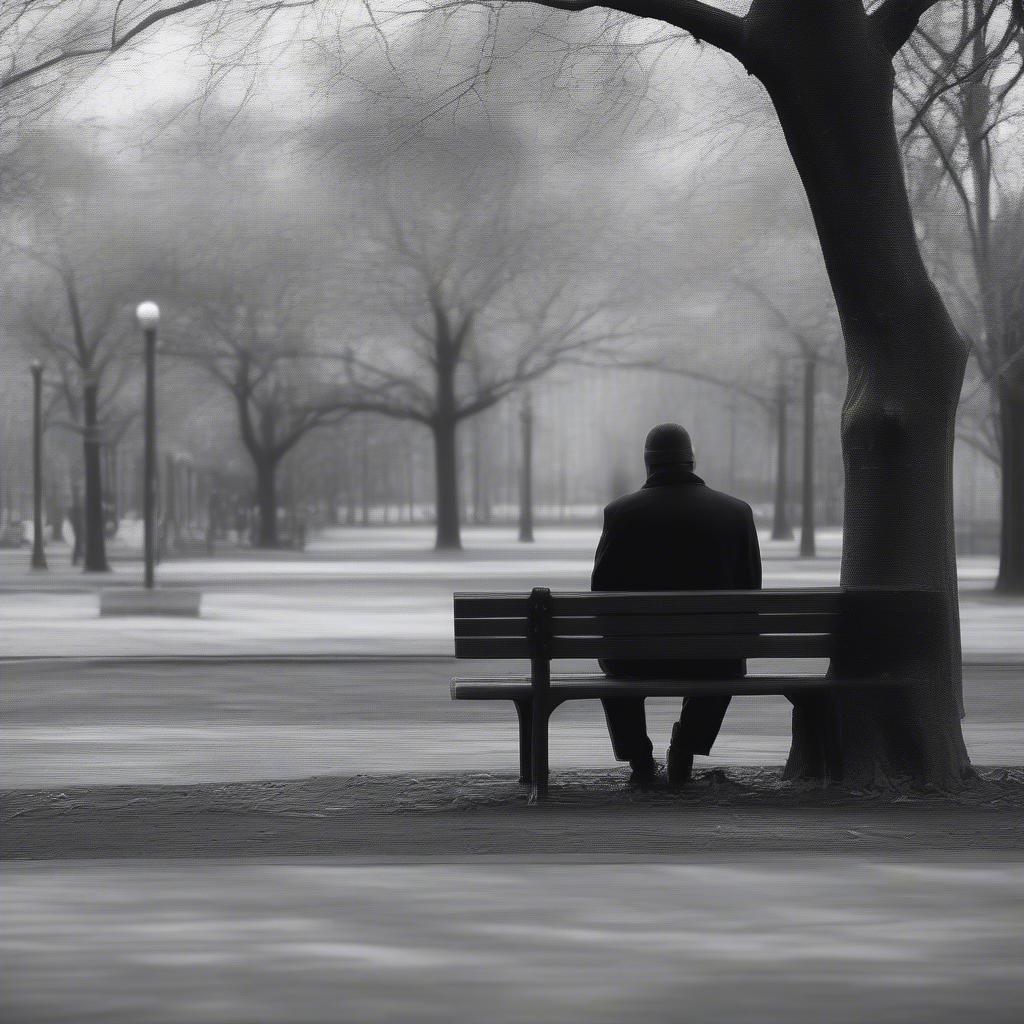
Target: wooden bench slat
(695, 647)
(696, 602)
(489, 606)
(491, 647)
(471, 605)
(658, 647)
(656, 625)
(589, 687)
(705, 625)
(490, 627)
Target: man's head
(668, 446)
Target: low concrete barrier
(140, 601)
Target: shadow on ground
(588, 815)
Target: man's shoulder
(707, 497)
(727, 501)
(625, 502)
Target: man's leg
(694, 733)
(627, 728)
(699, 722)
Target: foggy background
(625, 222)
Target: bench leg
(541, 712)
(524, 709)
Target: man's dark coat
(676, 533)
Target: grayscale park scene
(511, 510)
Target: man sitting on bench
(675, 533)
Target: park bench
(876, 630)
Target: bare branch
(894, 21)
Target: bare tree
(76, 318)
(248, 322)
(478, 305)
(961, 81)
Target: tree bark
(266, 502)
(781, 530)
(446, 483)
(1011, 465)
(830, 80)
(807, 545)
(95, 541)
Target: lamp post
(38, 552)
(148, 316)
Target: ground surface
(589, 815)
(71, 722)
(169, 859)
(814, 939)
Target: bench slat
(695, 602)
(589, 687)
(490, 627)
(807, 645)
(489, 606)
(491, 647)
(695, 647)
(655, 625)
(705, 625)
(471, 605)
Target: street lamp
(38, 552)
(148, 316)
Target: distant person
(675, 533)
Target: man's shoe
(645, 773)
(679, 761)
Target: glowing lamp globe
(148, 315)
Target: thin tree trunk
(95, 541)
(446, 484)
(831, 82)
(55, 508)
(526, 475)
(1011, 465)
(781, 530)
(266, 503)
(807, 546)
(477, 468)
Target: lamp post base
(142, 601)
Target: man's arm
(752, 557)
(601, 578)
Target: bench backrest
(678, 625)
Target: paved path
(69, 723)
(740, 940)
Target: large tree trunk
(266, 502)
(831, 83)
(446, 485)
(95, 541)
(1011, 465)
(807, 545)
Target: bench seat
(590, 686)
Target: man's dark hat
(668, 444)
